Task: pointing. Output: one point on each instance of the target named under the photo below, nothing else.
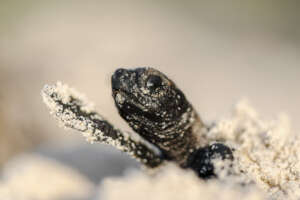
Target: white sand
(33, 177)
(175, 184)
(266, 164)
(266, 160)
(267, 152)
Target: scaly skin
(157, 110)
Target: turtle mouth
(126, 91)
(129, 106)
(122, 97)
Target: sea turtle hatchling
(167, 126)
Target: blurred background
(216, 51)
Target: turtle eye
(154, 82)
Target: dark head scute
(147, 95)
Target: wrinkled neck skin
(181, 138)
(177, 139)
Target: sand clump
(266, 165)
(266, 152)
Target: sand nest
(266, 165)
(266, 157)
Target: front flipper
(73, 111)
(201, 160)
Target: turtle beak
(116, 78)
(125, 79)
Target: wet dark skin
(157, 110)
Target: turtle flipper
(73, 111)
(201, 160)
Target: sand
(266, 158)
(266, 165)
(32, 176)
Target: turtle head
(147, 99)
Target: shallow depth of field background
(216, 51)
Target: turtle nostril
(116, 78)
